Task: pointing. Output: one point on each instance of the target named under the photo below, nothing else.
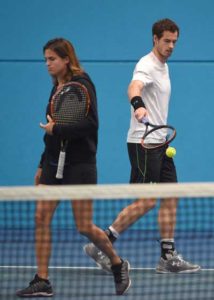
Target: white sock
(114, 232)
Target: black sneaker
(121, 277)
(38, 287)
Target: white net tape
(108, 191)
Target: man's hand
(140, 113)
(49, 126)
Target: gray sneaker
(98, 256)
(36, 288)
(176, 264)
(121, 277)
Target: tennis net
(74, 275)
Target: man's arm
(135, 96)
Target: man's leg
(171, 261)
(167, 223)
(126, 218)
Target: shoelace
(101, 255)
(120, 275)
(35, 286)
(34, 281)
(180, 258)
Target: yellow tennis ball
(170, 152)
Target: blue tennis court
(74, 276)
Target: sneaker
(121, 277)
(176, 264)
(37, 288)
(98, 256)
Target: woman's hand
(49, 126)
(37, 176)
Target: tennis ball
(170, 152)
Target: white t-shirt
(156, 95)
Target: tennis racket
(69, 105)
(164, 133)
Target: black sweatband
(137, 102)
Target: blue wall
(109, 36)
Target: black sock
(110, 235)
(167, 249)
(117, 267)
(42, 279)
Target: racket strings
(70, 104)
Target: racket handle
(61, 164)
(145, 120)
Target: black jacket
(82, 136)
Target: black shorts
(150, 166)
(78, 173)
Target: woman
(80, 168)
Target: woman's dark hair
(63, 48)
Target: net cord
(108, 191)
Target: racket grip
(61, 164)
(145, 120)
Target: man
(149, 94)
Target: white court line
(80, 268)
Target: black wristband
(137, 102)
